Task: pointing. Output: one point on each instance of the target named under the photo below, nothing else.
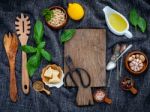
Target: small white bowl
(58, 85)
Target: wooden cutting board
(88, 51)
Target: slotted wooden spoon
(11, 46)
(23, 30)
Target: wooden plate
(127, 63)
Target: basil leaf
(142, 24)
(38, 31)
(46, 55)
(28, 49)
(48, 14)
(133, 17)
(41, 45)
(31, 70)
(33, 63)
(67, 35)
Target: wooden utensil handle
(107, 100)
(84, 96)
(25, 77)
(46, 91)
(133, 90)
(13, 85)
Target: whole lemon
(75, 11)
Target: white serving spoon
(112, 64)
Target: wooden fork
(23, 30)
(11, 46)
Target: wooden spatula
(23, 30)
(11, 46)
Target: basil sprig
(67, 35)
(137, 20)
(37, 52)
(47, 13)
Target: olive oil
(117, 22)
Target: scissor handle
(72, 69)
(78, 71)
(81, 79)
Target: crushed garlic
(136, 62)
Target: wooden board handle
(13, 85)
(84, 96)
(133, 90)
(107, 100)
(25, 76)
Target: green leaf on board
(67, 35)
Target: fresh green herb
(29, 49)
(38, 32)
(45, 54)
(137, 20)
(48, 14)
(33, 63)
(67, 35)
(39, 51)
(142, 24)
(41, 45)
(134, 17)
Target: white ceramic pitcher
(108, 11)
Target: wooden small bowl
(132, 89)
(66, 16)
(105, 98)
(127, 63)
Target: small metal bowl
(145, 63)
(62, 25)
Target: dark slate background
(63, 100)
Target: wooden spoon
(23, 30)
(39, 86)
(11, 46)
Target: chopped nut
(130, 59)
(136, 62)
(133, 56)
(137, 55)
(142, 58)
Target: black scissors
(78, 71)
